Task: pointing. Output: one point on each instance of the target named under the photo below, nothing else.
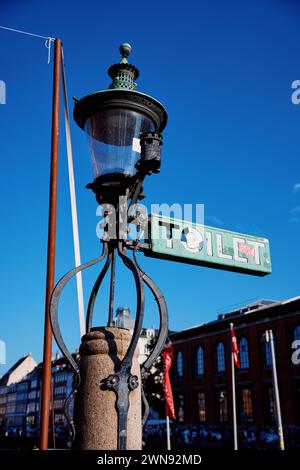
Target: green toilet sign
(186, 242)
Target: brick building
(201, 374)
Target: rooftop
(4, 380)
(251, 311)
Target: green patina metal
(186, 242)
(121, 94)
(123, 74)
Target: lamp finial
(123, 74)
(125, 49)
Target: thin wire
(48, 41)
(26, 32)
(73, 202)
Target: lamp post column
(95, 414)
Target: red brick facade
(254, 383)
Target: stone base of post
(95, 415)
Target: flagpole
(270, 338)
(167, 359)
(235, 439)
(168, 434)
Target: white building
(123, 320)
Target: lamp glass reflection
(113, 137)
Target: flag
(167, 359)
(235, 348)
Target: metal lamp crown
(123, 74)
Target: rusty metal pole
(47, 356)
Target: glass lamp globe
(114, 120)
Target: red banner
(167, 359)
(235, 349)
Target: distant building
(62, 378)
(20, 401)
(123, 320)
(201, 373)
(14, 387)
(145, 343)
(34, 380)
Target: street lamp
(115, 121)
(123, 129)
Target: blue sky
(224, 72)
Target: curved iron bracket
(96, 287)
(58, 336)
(163, 328)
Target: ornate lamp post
(123, 128)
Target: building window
(33, 383)
(61, 377)
(21, 408)
(12, 397)
(59, 404)
(11, 409)
(297, 400)
(272, 409)
(223, 410)
(179, 363)
(22, 386)
(296, 345)
(220, 358)
(296, 333)
(247, 406)
(59, 418)
(21, 396)
(200, 361)
(30, 420)
(59, 390)
(31, 408)
(201, 407)
(268, 357)
(244, 353)
(180, 409)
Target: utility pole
(47, 355)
